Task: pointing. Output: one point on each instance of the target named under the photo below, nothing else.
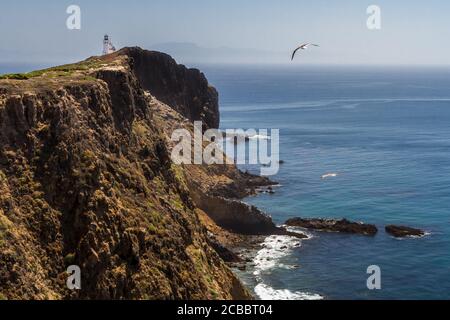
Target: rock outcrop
(185, 90)
(226, 254)
(402, 231)
(216, 189)
(330, 225)
(236, 216)
(86, 179)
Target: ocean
(385, 131)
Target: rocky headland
(86, 179)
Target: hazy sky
(412, 32)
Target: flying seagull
(304, 46)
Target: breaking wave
(274, 248)
(266, 292)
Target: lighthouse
(107, 45)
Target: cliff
(184, 90)
(86, 179)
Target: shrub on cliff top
(58, 71)
(14, 76)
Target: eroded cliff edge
(86, 179)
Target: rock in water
(330, 225)
(401, 231)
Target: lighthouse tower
(107, 45)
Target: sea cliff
(86, 179)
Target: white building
(107, 45)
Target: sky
(262, 31)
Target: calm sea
(386, 132)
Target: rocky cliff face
(185, 90)
(86, 179)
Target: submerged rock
(330, 225)
(401, 231)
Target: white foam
(243, 137)
(273, 249)
(299, 231)
(288, 267)
(266, 292)
(259, 137)
(426, 234)
(329, 175)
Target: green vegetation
(140, 129)
(177, 203)
(152, 229)
(2, 176)
(214, 294)
(4, 226)
(179, 175)
(14, 76)
(54, 72)
(69, 259)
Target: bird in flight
(304, 46)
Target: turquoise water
(386, 132)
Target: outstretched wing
(293, 53)
(303, 47)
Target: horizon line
(33, 66)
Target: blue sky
(413, 32)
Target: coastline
(204, 204)
(117, 206)
(239, 247)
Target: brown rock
(401, 231)
(330, 225)
(226, 254)
(86, 174)
(185, 90)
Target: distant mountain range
(186, 52)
